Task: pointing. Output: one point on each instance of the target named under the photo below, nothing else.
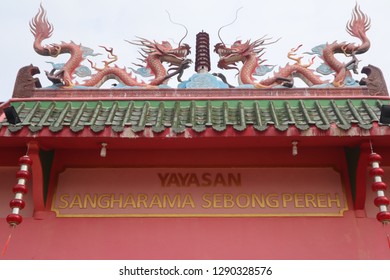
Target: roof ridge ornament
(250, 53)
(155, 54)
(202, 78)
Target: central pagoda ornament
(202, 78)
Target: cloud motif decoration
(263, 69)
(143, 71)
(203, 80)
(88, 52)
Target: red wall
(347, 237)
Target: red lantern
(17, 204)
(14, 219)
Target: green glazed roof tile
(195, 115)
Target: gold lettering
(298, 200)
(256, 199)
(188, 201)
(335, 200)
(76, 201)
(171, 203)
(272, 200)
(142, 199)
(103, 201)
(321, 200)
(286, 197)
(156, 201)
(119, 201)
(217, 201)
(310, 199)
(129, 201)
(64, 200)
(228, 200)
(206, 199)
(90, 200)
(209, 200)
(247, 200)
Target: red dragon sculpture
(154, 55)
(249, 53)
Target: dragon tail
(42, 29)
(357, 27)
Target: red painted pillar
(37, 177)
(361, 176)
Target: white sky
(100, 22)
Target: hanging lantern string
(7, 242)
(20, 189)
(379, 187)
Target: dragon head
(239, 51)
(228, 57)
(164, 51)
(174, 56)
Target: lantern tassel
(8, 241)
(388, 240)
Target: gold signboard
(188, 192)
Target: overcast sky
(100, 22)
